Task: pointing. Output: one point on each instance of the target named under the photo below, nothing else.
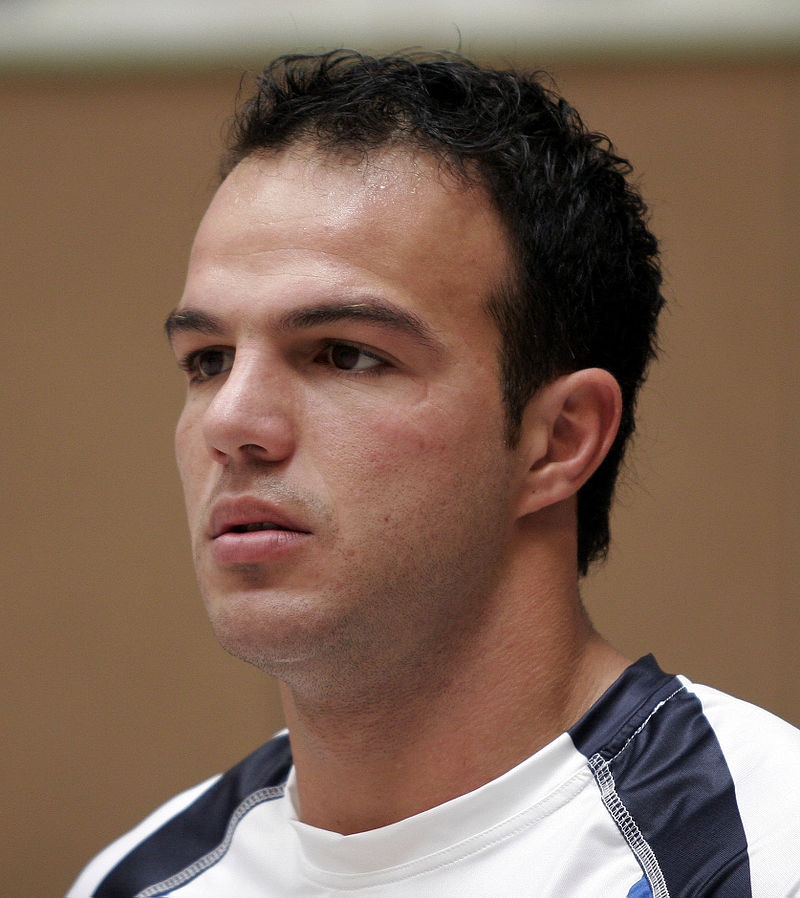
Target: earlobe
(568, 428)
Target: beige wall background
(115, 695)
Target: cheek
(183, 446)
(400, 443)
(401, 450)
(455, 430)
(190, 453)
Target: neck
(404, 745)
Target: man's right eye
(203, 364)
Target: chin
(274, 634)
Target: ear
(567, 429)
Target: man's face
(350, 495)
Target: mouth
(256, 525)
(237, 516)
(247, 530)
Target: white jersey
(662, 789)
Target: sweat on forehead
(380, 165)
(385, 240)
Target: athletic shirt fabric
(664, 788)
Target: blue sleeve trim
(640, 889)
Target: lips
(247, 515)
(249, 531)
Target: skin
(343, 374)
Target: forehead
(394, 222)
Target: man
(417, 314)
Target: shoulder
(187, 827)
(762, 753)
(703, 785)
(740, 721)
(759, 755)
(96, 870)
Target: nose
(251, 414)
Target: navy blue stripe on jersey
(667, 785)
(623, 708)
(201, 828)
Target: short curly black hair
(586, 291)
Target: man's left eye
(346, 357)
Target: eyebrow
(182, 320)
(379, 312)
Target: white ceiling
(183, 30)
